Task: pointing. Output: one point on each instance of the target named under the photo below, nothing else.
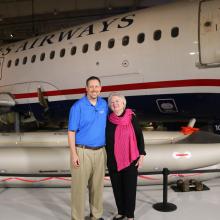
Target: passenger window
(85, 48)
(42, 57)
(16, 62)
(111, 43)
(174, 32)
(62, 52)
(73, 50)
(24, 60)
(140, 38)
(98, 45)
(33, 58)
(157, 35)
(125, 40)
(52, 54)
(9, 64)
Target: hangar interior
(22, 19)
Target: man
(86, 136)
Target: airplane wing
(6, 100)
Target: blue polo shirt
(89, 121)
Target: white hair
(118, 95)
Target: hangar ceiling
(21, 19)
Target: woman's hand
(140, 161)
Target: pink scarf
(125, 148)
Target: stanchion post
(165, 206)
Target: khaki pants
(90, 174)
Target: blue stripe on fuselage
(153, 107)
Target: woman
(125, 154)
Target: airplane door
(209, 32)
(1, 66)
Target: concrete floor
(54, 203)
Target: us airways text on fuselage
(77, 32)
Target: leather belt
(89, 147)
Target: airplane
(164, 62)
(164, 59)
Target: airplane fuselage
(164, 59)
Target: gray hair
(118, 95)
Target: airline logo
(101, 112)
(77, 32)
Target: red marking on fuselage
(182, 155)
(133, 86)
